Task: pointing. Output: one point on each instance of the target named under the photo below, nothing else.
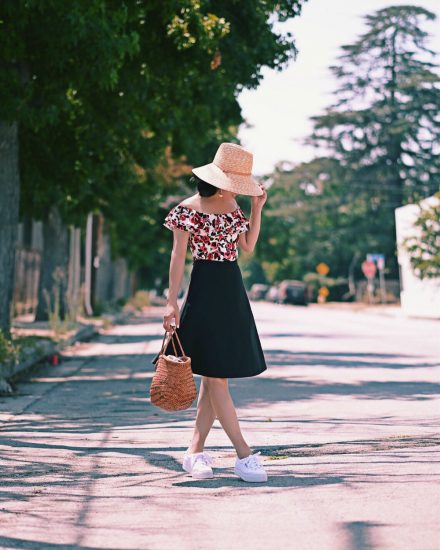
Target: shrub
(9, 352)
(140, 300)
(424, 248)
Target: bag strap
(165, 344)
(180, 343)
(171, 333)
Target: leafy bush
(253, 272)
(424, 248)
(140, 300)
(9, 352)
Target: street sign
(322, 269)
(323, 293)
(369, 269)
(378, 258)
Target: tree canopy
(381, 139)
(385, 123)
(106, 93)
(114, 101)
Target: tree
(125, 149)
(385, 125)
(311, 218)
(9, 193)
(198, 92)
(45, 46)
(100, 91)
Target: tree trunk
(54, 267)
(395, 145)
(104, 269)
(9, 203)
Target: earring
(220, 194)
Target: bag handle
(179, 342)
(164, 345)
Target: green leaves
(382, 130)
(424, 247)
(385, 122)
(387, 104)
(310, 218)
(117, 100)
(190, 26)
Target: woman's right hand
(259, 200)
(171, 313)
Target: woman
(216, 325)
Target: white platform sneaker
(198, 465)
(250, 468)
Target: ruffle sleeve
(177, 218)
(243, 225)
(240, 223)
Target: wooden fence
(27, 273)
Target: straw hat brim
(243, 185)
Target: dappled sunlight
(86, 435)
(95, 378)
(101, 349)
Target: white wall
(419, 298)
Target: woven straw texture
(231, 170)
(173, 387)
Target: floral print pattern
(212, 236)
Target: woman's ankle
(192, 449)
(244, 452)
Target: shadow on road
(275, 480)
(22, 544)
(109, 393)
(361, 534)
(112, 390)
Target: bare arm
(177, 268)
(248, 240)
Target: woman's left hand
(258, 202)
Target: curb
(48, 348)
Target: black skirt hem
(230, 376)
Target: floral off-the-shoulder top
(212, 236)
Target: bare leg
(224, 408)
(204, 420)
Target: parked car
(272, 294)
(292, 292)
(258, 291)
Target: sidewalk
(346, 417)
(387, 310)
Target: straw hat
(231, 170)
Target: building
(419, 297)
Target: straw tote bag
(173, 387)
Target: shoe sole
(248, 480)
(203, 476)
(200, 475)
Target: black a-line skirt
(217, 327)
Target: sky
(277, 113)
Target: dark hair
(205, 189)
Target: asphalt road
(347, 418)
